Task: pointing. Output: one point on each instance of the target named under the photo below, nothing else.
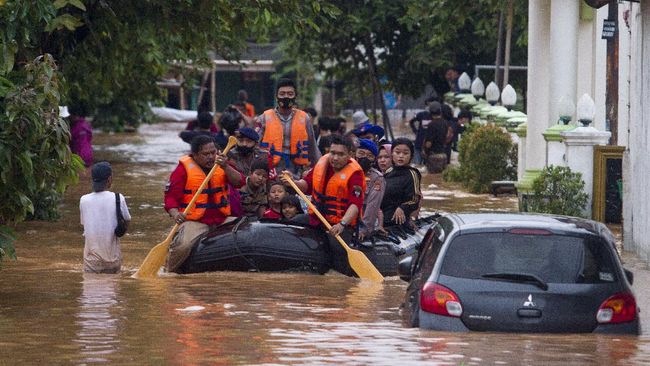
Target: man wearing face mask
(246, 152)
(375, 186)
(287, 132)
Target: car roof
(498, 220)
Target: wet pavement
(52, 313)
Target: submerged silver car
(518, 273)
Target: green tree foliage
(484, 154)
(558, 190)
(112, 52)
(405, 40)
(109, 55)
(460, 32)
(36, 164)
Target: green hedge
(485, 154)
(560, 191)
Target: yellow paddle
(358, 261)
(157, 254)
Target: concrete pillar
(579, 155)
(539, 21)
(624, 72)
(555, 147)
(636, 195)
(565, 15)
(599, 63)
(521, 132)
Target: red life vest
(333, 200)
(273, 138)
(217, 188)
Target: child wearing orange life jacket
(276, 194)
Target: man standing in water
(212, 206)
(99, 218)
(287, 132)
(337, 185)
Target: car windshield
(550, 258)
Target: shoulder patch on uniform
(356, 190)
(167, 186)
(377, 186)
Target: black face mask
(365, 163)
(245, 150)
(286, 102)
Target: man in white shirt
(99, 218)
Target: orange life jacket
(217, 188)
(274, 137)
(332, 200)
(250, 109)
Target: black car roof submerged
(495, 221)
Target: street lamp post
(492, 93)
(464, 83)
(478, 89)
(508, 97)
(586, 110)
(565, 109)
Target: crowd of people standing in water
(359, 181)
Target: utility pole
(611, 96)
(506, 64)
(499, 57)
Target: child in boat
(254, 198)
(276, 193)
(291, 207)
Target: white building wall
(636, 199)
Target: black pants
(339, 255)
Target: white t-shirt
(98, 217)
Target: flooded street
(53, 313)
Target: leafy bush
(36, 164)
(560, 191)
(484, 154)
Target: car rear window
(553, 258)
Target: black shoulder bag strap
(120, 229)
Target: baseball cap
(369, 145)
(100, 173)
(248, 132)
(359, 118)
(366, 128)
(435, 107)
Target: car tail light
(619, 308)
(438, 299)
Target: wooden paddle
(358, 261)
(156, 257)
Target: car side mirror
(628, 274)
(404, 268)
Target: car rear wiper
(519, 277)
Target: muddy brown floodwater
(52, 313)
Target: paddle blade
(154, 260)
(362, 266)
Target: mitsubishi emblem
(529, 302)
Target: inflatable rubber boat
(272, 246)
